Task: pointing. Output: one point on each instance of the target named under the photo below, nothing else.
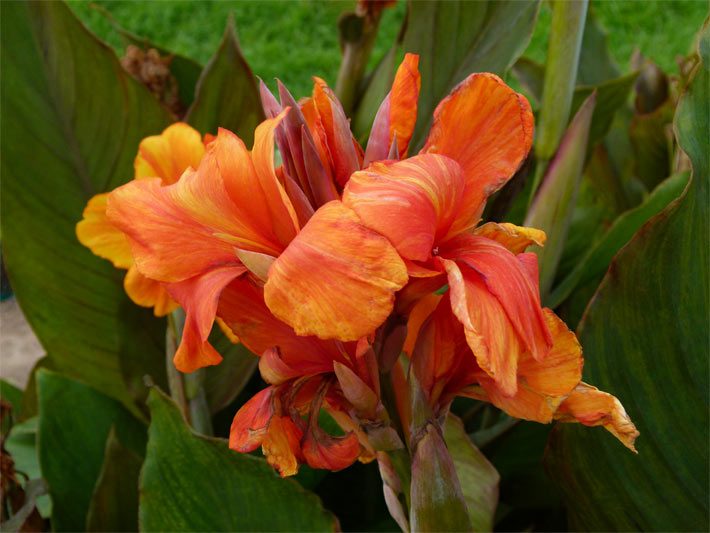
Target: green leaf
(531, 75)
(645, 340)
(185, 477)
(561, 63)
(227, 95)
(652, 145)
(595, 262)
(459, 37)
(595, 62)
(611, 95)
(72, 121)
(114, 504)
(551, 211)
(21, 444)
(479, 478)
(224, 382)
(74, 423)
(11, 394)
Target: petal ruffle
(199, 297)
(592, 407)
(397, 115)
(166, 156)
(98, 234)
(336, 279)
(411, 202)
(148, 293)
(182, 230)
(542, 385)
(514, 238)
(491, 142)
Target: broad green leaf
(561, 64)
(650, 137)
(551, 211)
(459, 37)
(595, 62)
(72, 121)
(645, 340)
(21, 444)
(10, 393)
(74, 423)
(114, 504)
(531, 75)
(224, 382)
(595, 262)
(611, 95)
(227, 94)
(478, 478)
(185, 477)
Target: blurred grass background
(295, 39)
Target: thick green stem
(358, 36)
(186, 389)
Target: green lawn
(293, 40)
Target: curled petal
(96, 232)
(514, 238)
(166, 156)
(282, 445)
(242, 308)
(411, 202)
(330, 453)
(396, 117)
(199, 297)
(512, 280)
(274, 370)
(356, 391)
(490, 144)
(592, 407)
(542, 385)
(336, 279)
(251, 421)
(148, 293)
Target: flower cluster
(334, 263)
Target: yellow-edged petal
(96, 232)
(166, 156)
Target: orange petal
(251, 421)
(514, 238)
(418, 315)
(513, 281)
(488, 129)
(411, 202)
(234, 339)
(397, 115)
(442, 361)
(281, 445)
(542, 385)
(148, 293)
(242, 308)
(336, 279)
(199, 298)
(345, 152)
(181, 230)
(166, 156)
(592, 407)
(97, 233)
(490, 334)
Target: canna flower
(163, 156)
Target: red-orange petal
(251, 421)
(166, 156)
(96, 232)
(242, 308)
(148, 293)
(411, 202)
(336, 279)
(488, 129)
(282, 445)
(592, 407)
(199, 297)
(330, 453)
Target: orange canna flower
(305, 262)
(164, 156)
